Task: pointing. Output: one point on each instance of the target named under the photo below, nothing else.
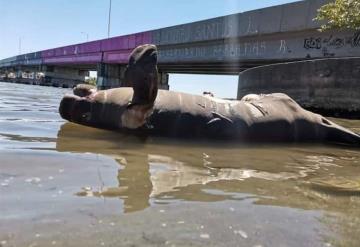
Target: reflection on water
(162, 169)
(158, 171)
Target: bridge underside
(112, 75)
(216, 68)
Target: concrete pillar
(63, 76)
(110, 75)
(47, 70)
(18, 73)
(3, 75)
(163, 80)
(329, 86)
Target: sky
(43, 24)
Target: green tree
(344, 14)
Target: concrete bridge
(222, 45)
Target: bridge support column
(3, 75)
(18, 74)
(63, 76)
(329, 86)
(110, 75)
(163, 82)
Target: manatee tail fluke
(142, 75)
(346, 137)
(338, 134)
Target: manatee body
(146, 110)
(269, 118)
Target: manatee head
(74, 108)
(142, 74)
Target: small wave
(32, 120)
(338, 186)
(27, 138)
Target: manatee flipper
(221, 117)
(219, 126)
(84, 90)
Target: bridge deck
(223, 45)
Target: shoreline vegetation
(340, 14)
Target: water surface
(64, 184)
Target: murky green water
(63, 184)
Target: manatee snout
(66, 106)
(74, 108)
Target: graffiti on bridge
(332, 41)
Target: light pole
(87, 36)
(109, 20)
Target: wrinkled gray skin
(255, 118)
